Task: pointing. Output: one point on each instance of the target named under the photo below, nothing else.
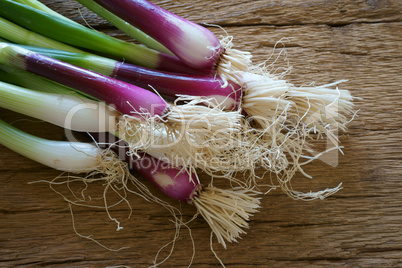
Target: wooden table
(360, 226)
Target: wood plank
(258, 12)
(360, 226)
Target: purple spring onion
(126, 98)
(226, 211)
(195, 45)
(166, 83)
(173, 84)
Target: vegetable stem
(124, 26)
(18, 34)
(38, 5)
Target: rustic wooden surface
(360, 226)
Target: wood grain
(360, 226)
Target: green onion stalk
(88, 161)
(65, 156)
(20, 35)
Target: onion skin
(174, 182)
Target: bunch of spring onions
(290, 143)
(227, 221)
(228, 115)
(317, 109)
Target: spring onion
(78, 35)
(233, 158)
(28, 80)
(226, 211)
(22, 78)
(193, 44)
(262, 96)
(270, 153)
(55, 108)
(166, 83)
(282, 136)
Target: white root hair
(226, 211)
(320, 109)
(114, 175)
(290, 118)
(232, 61)
(195, 136)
